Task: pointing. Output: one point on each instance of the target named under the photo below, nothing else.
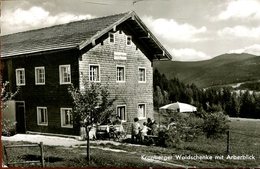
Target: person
(154, 128)
(117, 121)
(107, 121)
(118, 125)
(135, 131)
(144, 130)
(172, 124)
(83, 133)
(149, 125)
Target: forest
(234, 103)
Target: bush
(215, 124)
(194, 127)
(8, 128)
(188, 127)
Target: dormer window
(111, 37)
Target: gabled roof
(78, 35)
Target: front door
(20, 117)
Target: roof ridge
(78, 21)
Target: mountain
(222, 70)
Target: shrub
(194, 127)
(8, 128)
(187, 128)
(215, 124)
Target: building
(117, 49)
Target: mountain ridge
(221, 70)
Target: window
(120, 74)
(39, 75)
(66, 118)
(141, 111)
(94, 74)
(128, 40)
(42, 117)
(20, 77)
(65, 75)
(120, 111)
(111, 37)
(142, 75)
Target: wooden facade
(122, 45)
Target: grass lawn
(244, 139)
(59, 156)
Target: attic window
(111, 37)
(120, 31)
(128, 40)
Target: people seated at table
(118, 125)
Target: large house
(117, 50)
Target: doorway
(20, 117)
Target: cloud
(240, 31)
(188, 54)
(35, 17)
(253, 49)
(171, 30)
(240, 9)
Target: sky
(191, 30)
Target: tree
(92, 102)
(91, 105)
(215, 124)
(247, 105)
(232, 107)
(257, 111)
(8, 127)
(158, 97)
(6, 95)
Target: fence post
(228, 142)
(42, 154)
(6, 157)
